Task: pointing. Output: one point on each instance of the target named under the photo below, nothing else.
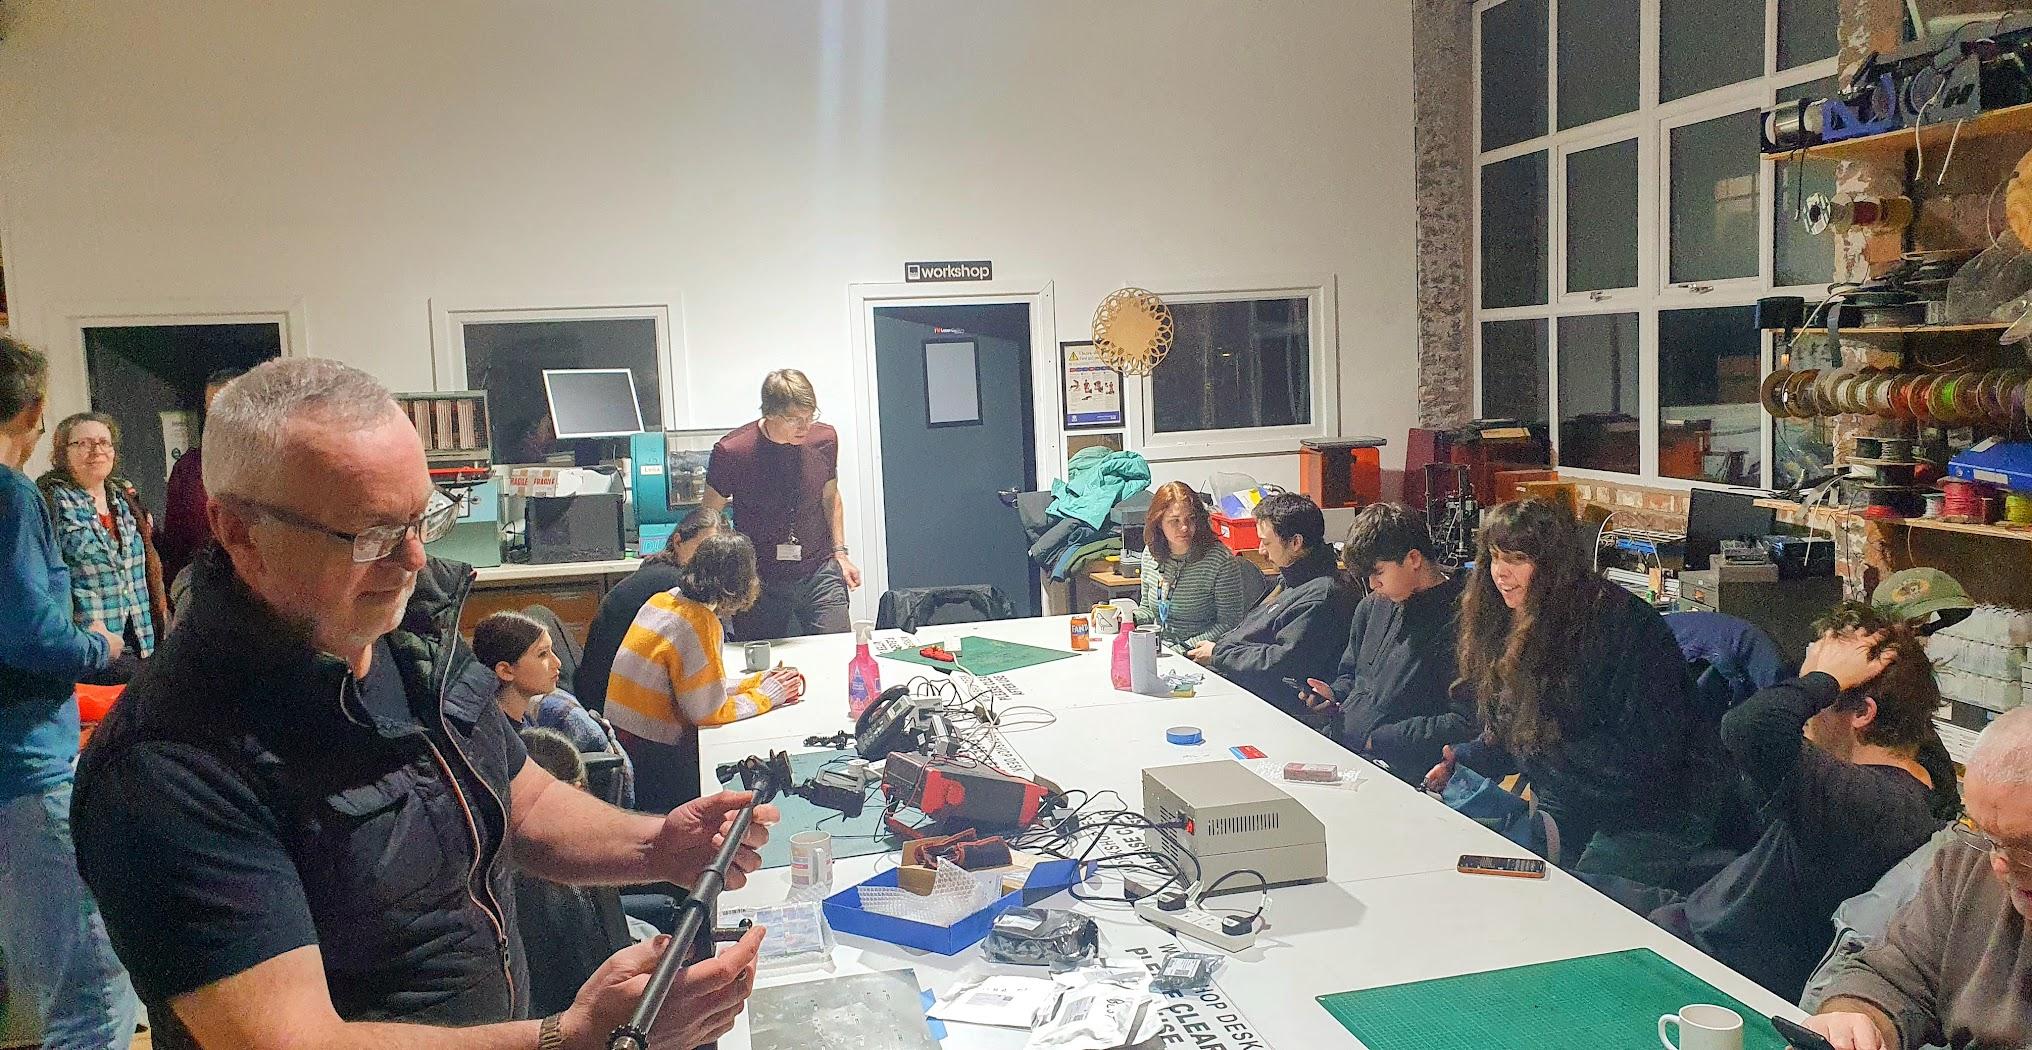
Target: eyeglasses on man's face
(2016, 859)
(797, 420)
(380, 541)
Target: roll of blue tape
(1183, 735)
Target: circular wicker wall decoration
(2018, 200)
(1132, 331)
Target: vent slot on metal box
(1245, 822)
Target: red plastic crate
(1236, 534)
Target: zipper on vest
(496, 913)
(479, 846)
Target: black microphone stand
(766, 778)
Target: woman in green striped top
(1193, 588)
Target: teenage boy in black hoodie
(1393, 699)
(1298, 627)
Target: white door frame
(1047, 435)
(70, 379)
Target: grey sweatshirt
(1956, 967)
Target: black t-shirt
(381, 692)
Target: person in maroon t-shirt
(185, 529)
(781, 472)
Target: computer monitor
(592, 402)
(1714, 516)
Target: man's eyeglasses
(1966, 833)
(797, 422)
(380, 541)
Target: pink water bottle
(864, 677)
(1118, 659)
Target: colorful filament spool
(2018, 508)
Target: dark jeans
(816, 604)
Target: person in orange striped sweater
(669, 678)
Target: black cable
(1262, 887)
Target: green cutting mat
(986, 656)
(852, 837)
(1611, 1000)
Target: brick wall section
(1442, 65)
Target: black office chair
(909, 608)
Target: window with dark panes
(1623, 215)
(1705, 44)
(1513, 72)
(1601, 217)
(1800, 257)
(1515, 255)
(1713, 219)
(507, 360)
(1513, 371)
(1235, 365)
(1597, 60)
(1806, 31)
(1599, 428)
(1710, 425)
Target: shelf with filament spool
(2011, 120)
(1830, 517)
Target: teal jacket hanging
(1096, 480)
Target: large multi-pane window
(1626, 224)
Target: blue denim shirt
(43, 651)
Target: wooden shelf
(1919, 329)
(1824, 517)
(2008, 121)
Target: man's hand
(693, 832)
(1436, 778)
(1201, 654)
(849, 571)
(1848, 1031)
(114, 645)
(1846, 657)
(703, 1002)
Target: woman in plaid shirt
(105, 535)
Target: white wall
(365, 156)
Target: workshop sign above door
(973, 270)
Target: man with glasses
(59, 966)
(299, 838)
(781, 473)
(1956, 967)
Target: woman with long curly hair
(1581, 687)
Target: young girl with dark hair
(1581, 687)
(513, 660)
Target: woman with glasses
(107, 539)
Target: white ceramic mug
(1703, 1028)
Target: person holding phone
(1393, 699)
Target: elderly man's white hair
(248, 424)
(2003, 754)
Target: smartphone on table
(1512, 867)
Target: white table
(1394, 909)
